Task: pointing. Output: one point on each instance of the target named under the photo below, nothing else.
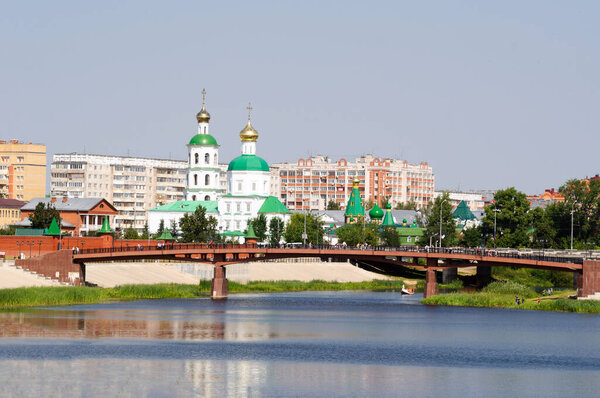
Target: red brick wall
(591, 277)
(57, 265)
(10, 247)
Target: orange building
(86, 214)
(22, 170)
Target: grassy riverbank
(502, 294)
(56, 296)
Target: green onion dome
(376, 213)
(203, 139)
(248, 162)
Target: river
(315, 344)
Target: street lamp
(441, 207)
(572, 211)
(496, 211)
(364, 216)
(304, 235)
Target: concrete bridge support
(484, 275)
(219, 286)
(431, 286)
(449, 275)
(590, 279)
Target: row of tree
(510, 222)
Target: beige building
(10, 211)
(22, 170)
(132, 184)
(309, 184)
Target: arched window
(206, 158)
(207, 197)
(195, 179)
(196, 158)
(193, 197)
(215, 158)
(207, 179)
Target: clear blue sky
(491, 94)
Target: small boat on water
(406, 291)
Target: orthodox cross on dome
(203, 97)
(249, 107)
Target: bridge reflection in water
(586, 270)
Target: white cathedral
(248, 184)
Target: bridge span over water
(69, 266)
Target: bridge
(69, 266)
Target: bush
(509, 288)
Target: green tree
(471, 237)
(512, 219)
(583, 198)
(43, 214)
(7, 231)
(333, 205)
(145, 231)
(390, 236)
(173, 229)
(259, 224)
(131, 233)
(432, 222)
(295, 228)
(276, 229)
(406, 206)
(384, 202)
(352, 234)
(197, 227)
(369, 204)
(543, 234)
(161, 228)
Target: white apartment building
(309, 184)
(132, 184)
(475, 201)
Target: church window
(215, 158)
(207, 197)
(207, 179)
(248, 206)
(237, 225)
(228, 209)
(239, 186)
(239, 207)
(193, 197)
(196, 158)
(206, 158)
(253, 187)
(195, 179)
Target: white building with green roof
(248, 183)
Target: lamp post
(572, 211)
(39, 247)
(304, 235)
(364, 216)
(441, 207)
(20, 247)
(30, 244)
(496, 211)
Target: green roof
(463, 212)
(106, 229)
(388, 220)
(203, 139)
(29, 231)
(410, 231)
(355, 205)
(53, 229)
(166, 235)
(233, 233)
(189, 206)
(376, 213)
(250, 234)
(248, 162)
(273, 205)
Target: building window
(195, 179)
(215, 158)
(193, 197)
(196, 158)
(207, 178)
(207, 197)
(206, 158)
(239, 186)
(248, 206)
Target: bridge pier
(431, 286)
(449, 275)
(483, 276)
(590, 279)
(219, 287)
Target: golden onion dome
(203, 116)
(248, 134)
(355, 182)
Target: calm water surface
(343, 344)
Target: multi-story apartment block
(132, 184)
(310, 184)
(22, 170)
